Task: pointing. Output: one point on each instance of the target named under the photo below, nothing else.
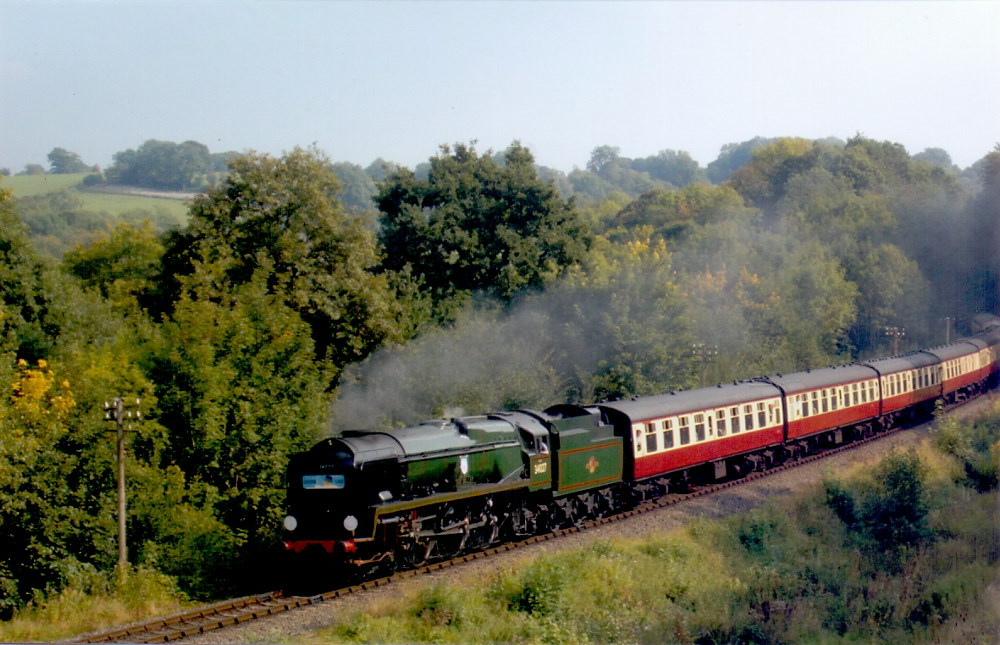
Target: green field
(34, 185)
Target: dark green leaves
(476, 225)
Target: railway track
(251, 608)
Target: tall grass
(94, 601)
(913, 562)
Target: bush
(977, 448)
(93, 179)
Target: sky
(396, 80)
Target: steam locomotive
(382, 500)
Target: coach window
(685, 430)
(734, 415)
(650, 437)
(854, 394)
(668, 433)
(699, 427)
(638, 439)
(761, 415)
(805, 405)
(748, 417)
(835, 398)
(720, 423)
(776, 412)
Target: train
(382, 500)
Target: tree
(602, 158)
(121, 264)
(674, 167)
(762, 181)
(474, 225)
(358, 187)
(937, 157)
(281, 216)
(732, 157)
(64, 162)
(667, 214)
(163, 165)
(29, 329)
(983, 240)
(239, 385)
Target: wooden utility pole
(705, 355)
(948, 321)
(895, 333)
(116, 412)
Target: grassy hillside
(114, 204)
(61, 213)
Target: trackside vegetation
(903, 552)
(288, 298)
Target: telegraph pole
(895, 333)
(948, 322)
(116, 411)
(705, 355)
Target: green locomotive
(398, 498)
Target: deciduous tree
(64, 162)
(281, 215)
(474, 225)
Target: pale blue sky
(396, 79)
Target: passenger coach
(720, 427)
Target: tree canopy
(476, 225)
(163, 165)
(281, 216)
(64, 162)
